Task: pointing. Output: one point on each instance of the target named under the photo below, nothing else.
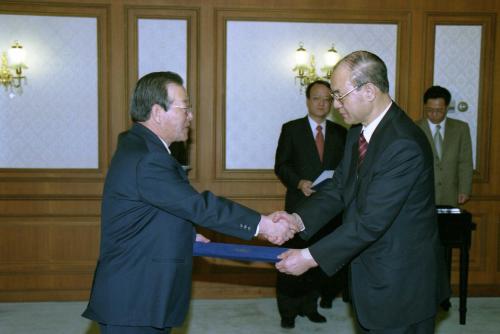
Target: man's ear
(156, 111)
(371, 91)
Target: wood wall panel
(49, 219)
(488, 24)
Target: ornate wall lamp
(305, 65)
(13, 59)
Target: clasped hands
(279, 227)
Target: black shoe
(316, 317)
(287, 322)
(325, 303)
(446, 304)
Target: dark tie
(362, 148)
(320, 141)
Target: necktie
(438, 141)
(362, 148)
(320, 141)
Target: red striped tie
(362, 148)
(320, 142)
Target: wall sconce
(305, 65)
(13, 59)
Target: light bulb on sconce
(331, 58)
(305, 65)
(13, 59)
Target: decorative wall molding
(487, 22)
(67, 11)
(227, 90)
(191, 16)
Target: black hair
(436, 92)
(151, 89)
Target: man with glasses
(307, 147)
(143, 277)
(385, 187)
(452, 148)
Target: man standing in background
(451, 144)
(307, 147)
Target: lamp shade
(331, 57)
(16, 54)
(301, 56)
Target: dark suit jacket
(297, 157)
(453, 172)
(143, 275)
(389, 227)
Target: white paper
(327, 174)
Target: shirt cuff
(299, 221)
(306, 254)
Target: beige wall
(49, 218)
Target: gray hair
(366, 67)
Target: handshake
(279, 227)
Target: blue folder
(238, 252)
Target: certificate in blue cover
(238, 252)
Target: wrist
(306, 254)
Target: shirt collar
(370, 128)
(313, 124)
(165, 144)
(432, 126)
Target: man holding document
(142, 281)
(309, 149)
(385, 187)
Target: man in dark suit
(385, 185)
(143, 277)
(306, 147)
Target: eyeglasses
(339, 98)
(187, 109)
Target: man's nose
(337, 104)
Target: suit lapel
(156, 144)
(352, 173)
(449, 132)
(424, 125)
(329, 144)
(377, 140)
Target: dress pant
(331, 286)
(296, 295)
(113, 329)
(425, 326)
(299, 294)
